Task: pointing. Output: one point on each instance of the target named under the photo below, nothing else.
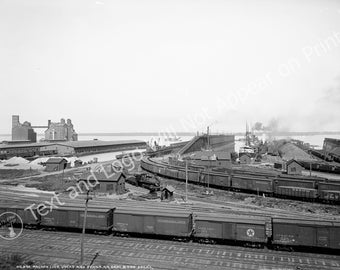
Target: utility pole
(186, 180)
(208, 141)
(83, 232)
(209, 173)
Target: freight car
(234, 229)
(259, 185)
(180, 224)
(329, 192)
(215, 179)
(27, 218)
(295, 188)
(170, 223)
(306, 234)
(279, 185)
(98, 220)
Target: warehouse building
(20, 150)
(94, 146)
(67, 148)
(106, 183)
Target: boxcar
(252, 184)
(152, 222)
(329, 192)
(216, 179)
(231, 227)
(297, 192)
(294, 182)
(194, 176)
(26, 216)
(181, 175)
(172, 173)
(305, 233)
(334, 233)
(73, 218)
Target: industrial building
(20, 150)
(294, 167)
(30, 150)
(60, 131)
(88, 147)
(111, 184)
(22, 132)
(220, 143)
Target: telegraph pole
(83, 232)
(186, 180)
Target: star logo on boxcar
(250, 232)
(11, 226)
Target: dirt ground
(60, 182)
(251, 199)
(14, 173)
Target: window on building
(293, 169)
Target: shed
(294, 167)
(56, 164)
(167, 193)
(107, 183)
(245, 159)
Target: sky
(141, 66)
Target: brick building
(294, 167)
(107, 183)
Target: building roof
(292, 161)
(95, 143)
(101, 176)
(56, 160)
(24, 145)
(169, 188)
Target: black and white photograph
(170, 134)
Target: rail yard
(193, 206)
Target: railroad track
(64, 248)
(197, 204)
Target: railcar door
(307, 236)
(229, 231)
(149, 225)
(323, 237)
